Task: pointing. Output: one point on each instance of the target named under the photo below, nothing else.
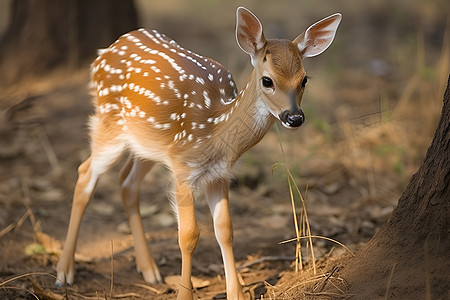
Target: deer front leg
(188, 234)
(131, 176)
(217, 195)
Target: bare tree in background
(43, 35)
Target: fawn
(163, 103)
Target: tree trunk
(43, 35)
(409, 257)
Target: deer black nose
(296, 120)
(292, 120)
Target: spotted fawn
(163, 103)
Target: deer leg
(188, 234)
(88, 174)
(217, 196)
(131, 177)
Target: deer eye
(267, 82)
(305, 80)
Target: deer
(162, 103)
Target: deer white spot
(172, 62)
(210, 77)
(125, 102)
(148, 61)
(200, 80)
(207, 99)
(190, 137)
(155, 69)
(162, 126)
(115, 88)
(104, 92)
(107, 107)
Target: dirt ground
(351, 160)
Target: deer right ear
(318, 37)
(249, 33)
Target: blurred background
(372, 104)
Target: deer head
(279, 71)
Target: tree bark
(409, 257)
(43, 35)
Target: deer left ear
(249, 32)
(319, 36)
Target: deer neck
(249, 120)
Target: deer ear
(249, 33)
(318, 37)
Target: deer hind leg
(188, 235)
(217, 196)
(131, 176)
(102, 158)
